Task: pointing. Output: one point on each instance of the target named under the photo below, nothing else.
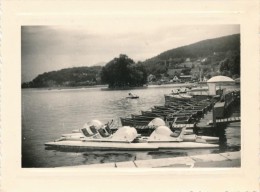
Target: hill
(69, 77)
(202, 48)
(211, 53)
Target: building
(175, 78)
(185, 77)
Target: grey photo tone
(137, 97)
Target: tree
(231, 64)
(224, 65)
(123, 72)
(186, 71)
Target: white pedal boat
(95, 126)
(127, 146)
(126, 138)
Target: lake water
(46, 114)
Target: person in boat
(132, 95)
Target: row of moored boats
(175, 111)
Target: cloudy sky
(48, 48)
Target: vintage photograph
(135, 96)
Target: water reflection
(94, 157)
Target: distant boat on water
(132, 96)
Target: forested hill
(203, 49)
(69, 77)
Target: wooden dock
(226, 120)
(146, 127)
(183, 125)
(203, 122)
(228, 159)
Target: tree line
(119, 72)
(70, 77)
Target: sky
(49, 48)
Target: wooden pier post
(214, 117)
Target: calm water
(46, 114)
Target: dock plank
(103, 165)
(209, 157)
(186, 161)
(153, 163)
(231, 155)
(232, 119)
(182, 125)
(126, 164)
(225, 120)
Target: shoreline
(105, 87)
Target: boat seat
(103, 132)
(93, 129)
(86, 133)
(175, 134)
(107, 128)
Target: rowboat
(132, 96)
(144, 117)
(182, 120)
(144, 122)
(164, 107)
(180, 97)
(158, 113)
(150, 113)
(166, 111)
(133, 122)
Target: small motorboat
(95, 136)
(132, 96)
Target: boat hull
(135, 97)
(188, 137)
(81, 145)
(101, 146)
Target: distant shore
(105, 87)
(68, 87)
